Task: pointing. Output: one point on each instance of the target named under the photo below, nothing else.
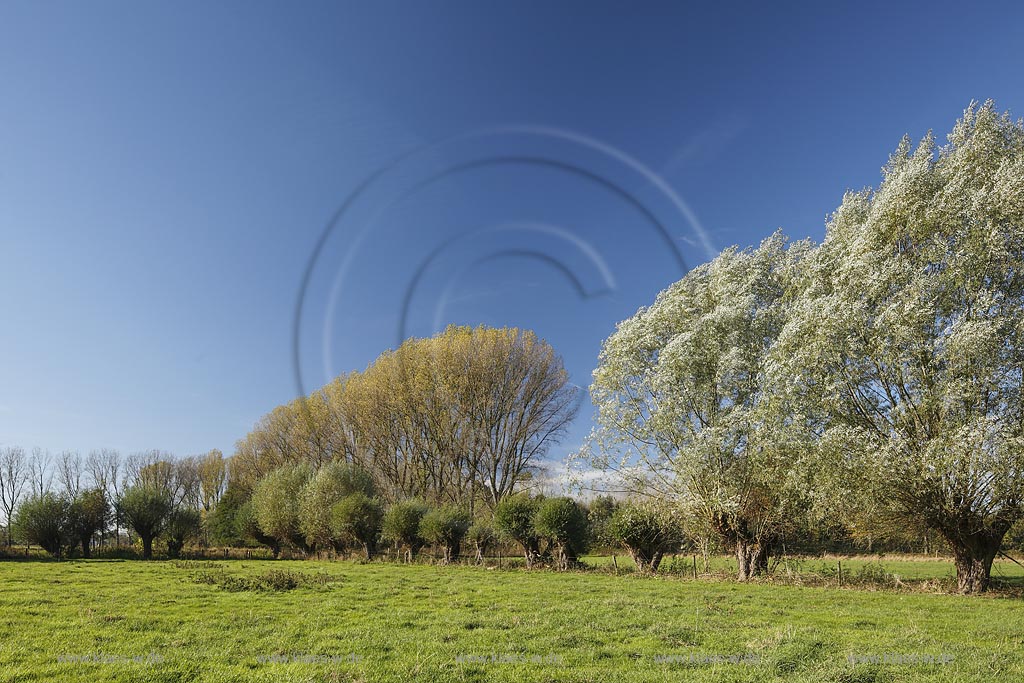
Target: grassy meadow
(109, 620)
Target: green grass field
(909, 568)
(156, 621)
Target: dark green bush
(483, 538)
(42, 520)
(356, 520)
(401, 526)
(331, 483)
(564, 522)
(88, 514)
(647, 531)
(513, 520)
(446, 528)
(145, 509)
(182, 525)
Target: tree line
(334, 508)
(459, 420)
(100, 499)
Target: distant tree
(648, 530)
(182, 525)
(356, 520)
(461, 416)
(401, 526)
(311, 429)
(14, 475)
(69, 473)
(213, 476)
(42, 520)
(222, 523)
(276, 500)
(446, 527)
(249, 529)
(564, 522)
(483, 537)
(98, 475)
(145, 509)
(104, 471)
(599, 515)
(87, 515)
(514, 521)
(40, 472)
(178, 478)
(332, 482)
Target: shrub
(599, 517)
(145, 509)
(446, 528)
(273, 580)
(647, 531)
(249, 529)
(182, 525)
(356, 519)
(275, 503)
(564, 522)
(222, 523)
(483, 537)
(401, 526)
(328, 486)
(513, 520)
(87, 514)
(42, 520)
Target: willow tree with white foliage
(683, 409)
(910, 338)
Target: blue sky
(166, 173)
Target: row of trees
(460, 418)
(874, 380)
(148, 494)
(336, 508)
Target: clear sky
(167, 172)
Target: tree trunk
(656, 561)
(572, 558)
(532, 553)
(85, 548)
(562, 559)
(751, 559)
(147, 547)
(974, 563)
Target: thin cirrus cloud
(708, 143)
